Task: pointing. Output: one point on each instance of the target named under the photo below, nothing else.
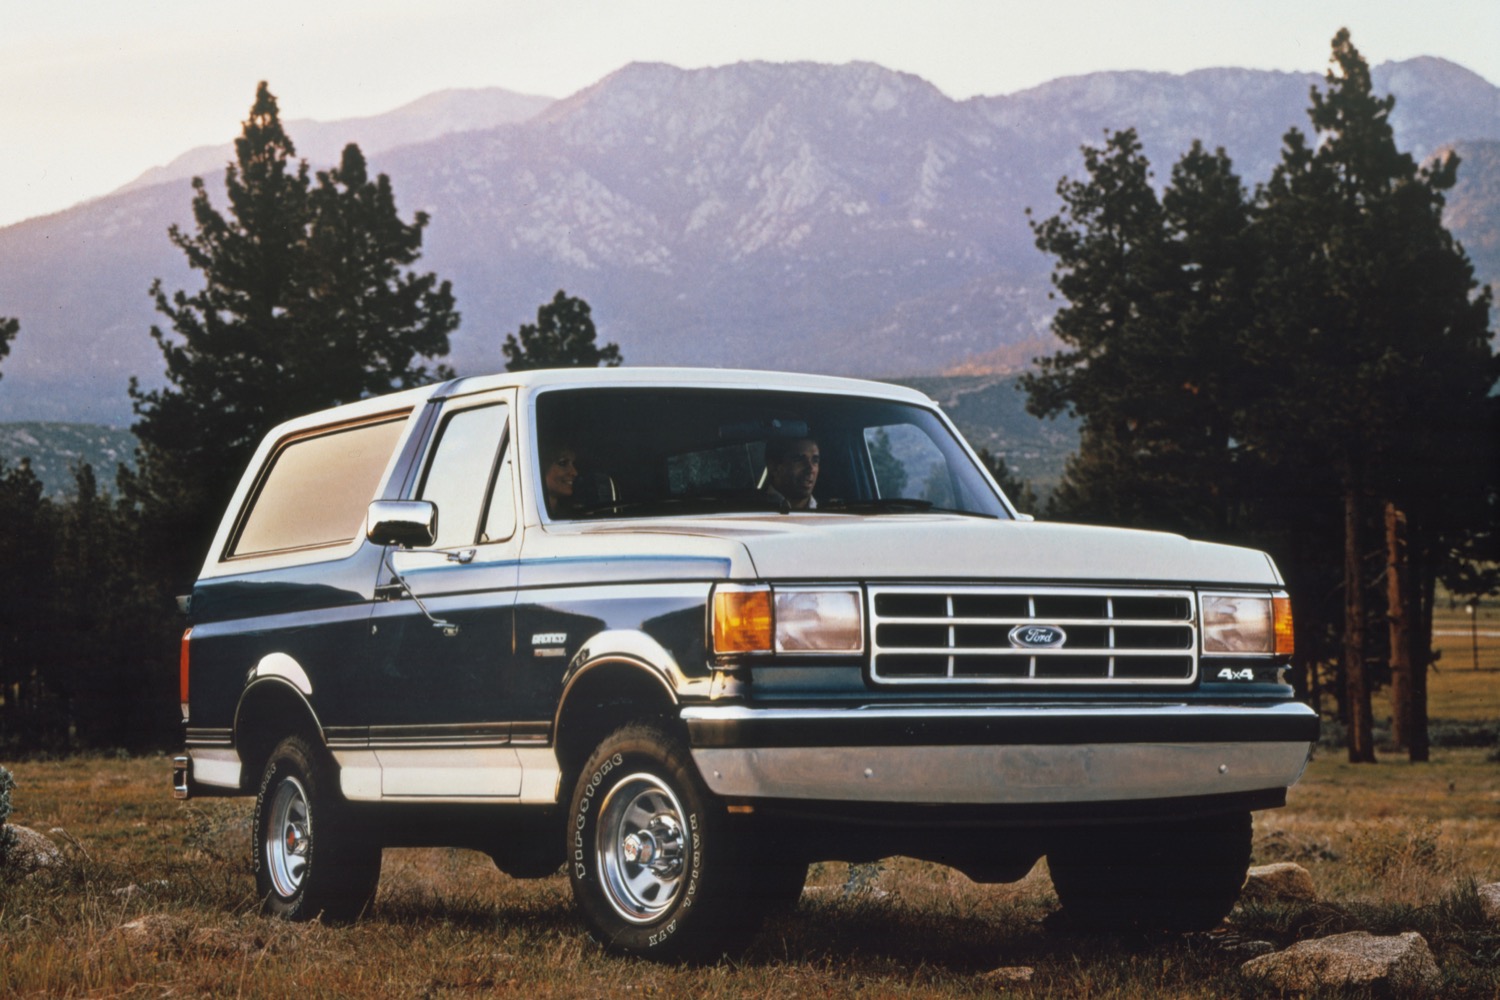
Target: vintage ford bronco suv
(562, 617)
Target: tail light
(182, 673)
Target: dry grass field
(155, 899)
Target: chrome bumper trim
(219, 767)
(1002, 775)
(182, 776)
(1151, 753)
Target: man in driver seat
(792, 471)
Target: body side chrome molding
(501, 775)
(1158, 709)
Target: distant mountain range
(57, 451)
(844, 219)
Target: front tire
(1183, 876)
(651, 859)
(310, 858)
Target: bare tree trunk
(1398, 609)
(1423, 590)
(1361, 726)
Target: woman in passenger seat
(558, 478)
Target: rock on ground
(1489, 900)
(164, 934)
(29, 852)
(1009, 974)
(1399, 964)
(1281, 882)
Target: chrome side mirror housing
(408, 524)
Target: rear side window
(317, 489)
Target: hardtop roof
(676, 376)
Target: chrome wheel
(288, 837)
(642, 847)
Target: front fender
(641, 651)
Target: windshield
(644, 451)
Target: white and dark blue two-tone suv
(683, 632)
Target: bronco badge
(1037, 637)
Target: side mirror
(409, 524)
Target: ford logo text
(1037, 637)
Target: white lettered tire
(650, 854)
(310, 858)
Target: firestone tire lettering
(310, 860)
(654, 870)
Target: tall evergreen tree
(31, 713)
(1375, 355)
(1155, 306)
(8, 330)
(1286, 372)
(305, 303)
(563, 336)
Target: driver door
(444, 656)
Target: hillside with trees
(1308, 370)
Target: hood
(828, 546)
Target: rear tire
(310, 858)
(1183, 876)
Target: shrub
(7, 835)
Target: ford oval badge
(1037, 637)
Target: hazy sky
(97, 91)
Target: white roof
(688, 377)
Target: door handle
(464, 556)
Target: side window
(462, 470)
(316, 489)
(500, 518)
(907, 463)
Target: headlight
(1247, 624)
(819, 621)
(760, 619)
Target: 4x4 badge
(1037, 637)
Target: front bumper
(1045, 755)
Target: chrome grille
(963, 635)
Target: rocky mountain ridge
(846, 219)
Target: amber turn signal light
(1281, 614)
(742, 621)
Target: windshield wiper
(693, 503)
(880, 505)
(897, 505)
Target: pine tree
(562, 337)
(305, 303)
(1282, 372)
(1375, 357)
(1156, 308)
(8, 330)
(1017, 489)
(30, 714)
